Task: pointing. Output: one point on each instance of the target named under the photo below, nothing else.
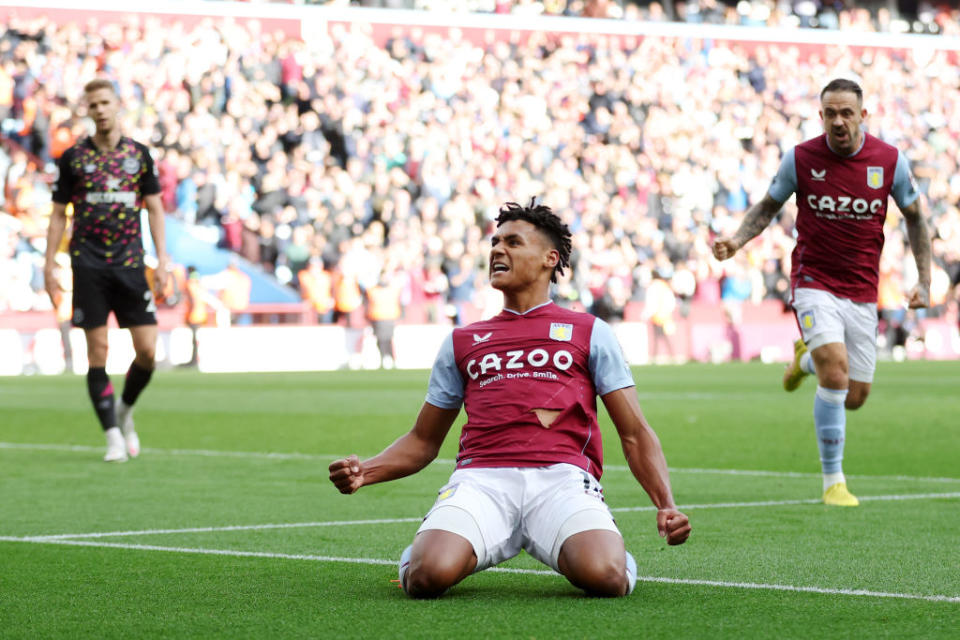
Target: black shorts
(97, 292)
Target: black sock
(137, 379)
(101, 394)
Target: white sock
(124, 420)
(806, 363)
(631, 573)
(830, 479)
(114, 436)
(404, 564)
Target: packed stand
(340, 166)
(874, 15)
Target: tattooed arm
(756, 220)
(919, 236)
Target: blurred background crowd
(343, 168)
(895, 16)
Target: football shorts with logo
(503, 510)
(825, 318)
(125, 292)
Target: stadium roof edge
(561, 24)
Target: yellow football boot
(794, 375)
(837, 495)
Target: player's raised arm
(754, 222)
(645, 458)
(410, 453)
(919, 236)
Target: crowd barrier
(30, 343)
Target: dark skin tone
(522, 261)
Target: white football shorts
(825, 318)
(502, 510)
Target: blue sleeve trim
(904, 188)
(608, 367)
(784, 184)
(446, 384)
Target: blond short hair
(97, 84)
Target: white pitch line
(206, 453)
(240, 527)
(788, 587)
(264, 455)
(779, 503)
(375, 561)
(346, 523)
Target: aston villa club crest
(874, 177)
(560, 331)
(447, 492)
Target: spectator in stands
(196, 310)
(233, 287)
(461, 271)
(891, 303)
(316, 287)
(435, 286)
(383, 311)
(659, 308)
(347, 295)
(661, 165)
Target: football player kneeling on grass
(527, 473)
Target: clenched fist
(673, 525)
(347, 474)
(724, 248)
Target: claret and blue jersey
(841, 209)
(504, 369)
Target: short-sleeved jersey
(841, 208)
(107, 190)
(504, 368)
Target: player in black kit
(108, 178)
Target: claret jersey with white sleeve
(841, 208)
(504, 369)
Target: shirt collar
(517, 313)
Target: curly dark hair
(547, 222)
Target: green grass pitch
(227, 526)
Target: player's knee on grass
(438, 561)
(431, 576)
(604, 579)
(595, 561)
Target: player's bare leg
(96, 346)
(831, 401)
(144, 346)
(596, 562)
(857, 394)
(438, 560)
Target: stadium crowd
(371, 166)
(875, 15)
